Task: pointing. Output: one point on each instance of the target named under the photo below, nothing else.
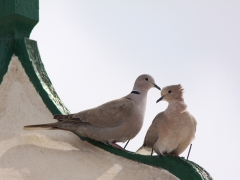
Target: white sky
(94, 50)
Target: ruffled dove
(115, 121)
(172, 130)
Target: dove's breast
(175, 133)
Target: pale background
(94, 50)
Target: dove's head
(144, 82)
(170, 93)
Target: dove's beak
(156, 86)
(159, 99)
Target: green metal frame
(17, 19)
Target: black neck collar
(135, 92)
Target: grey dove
(172, 130)
(115, 121)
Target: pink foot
(169, 154)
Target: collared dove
(172, 130)
(115, 121)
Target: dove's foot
(169, 154)
(113, 144)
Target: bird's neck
(175, 107)
(139, 97)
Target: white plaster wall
(52, 155)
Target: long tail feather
(42, 127)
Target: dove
(172, 130)
(115, 121)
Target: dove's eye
(169, 91)
(146, 79)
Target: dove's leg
(126, 144)
(152, 152)
(189, 151)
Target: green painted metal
(180, 167)
(28, 54)
(6, 52)
(17, 19)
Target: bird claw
(169, 154)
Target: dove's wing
(153, 131)
(106, 115)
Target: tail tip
(30, 128)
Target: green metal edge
(180, 167)
(28, 54)
(18, 18)
(6, 52)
